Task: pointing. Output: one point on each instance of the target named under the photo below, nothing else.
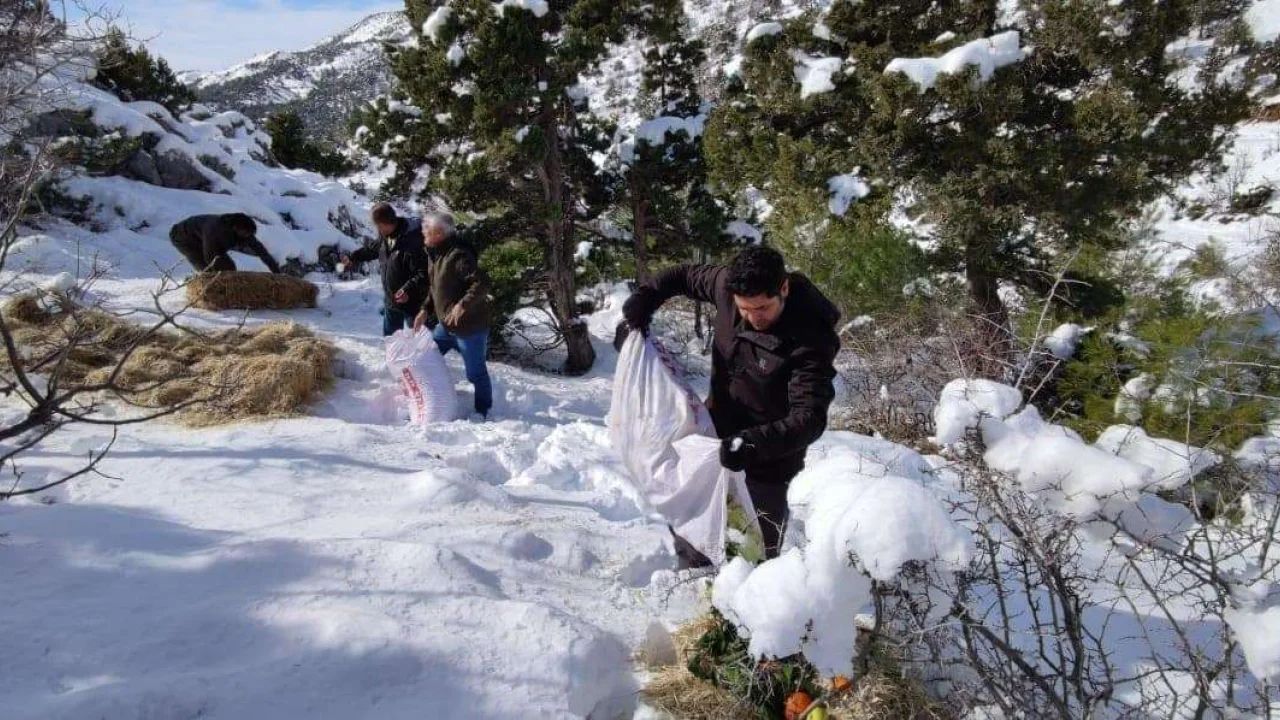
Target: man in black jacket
(206, 240)
(773, 362)
(403, 260)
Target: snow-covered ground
(341, 565)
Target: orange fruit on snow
(840, 683)
(797, 703)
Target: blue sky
(214, 34)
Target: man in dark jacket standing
(205, 240)
(459, 298)
(773, 362)
(403, 262)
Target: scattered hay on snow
(250, 291)
(881, 696)
(675, 691)
(271, 371)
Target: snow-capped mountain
(326, 81)
(323, 83)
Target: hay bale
(250, 291)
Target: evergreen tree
(510, 138)
(1011, 166)
(672, 208)
(132, 74)
(293, 147)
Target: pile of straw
(271, 371)
(249, 291)
(674, 690)
(878, 695)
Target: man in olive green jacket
(459, 297)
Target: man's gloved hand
(638, 310)
(736, 453)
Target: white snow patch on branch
(1064, 339)
(764, 29)
(986, 54)
(456, 54)
(814, 73)
(744, 231)
(537, 7)
(844, 190)
(435, 22)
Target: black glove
(736, 460)
(638, 310)
(620, 335)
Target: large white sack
(664, 435)
(415, 360)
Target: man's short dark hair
(384, 214)
(241, 224)
(756, 271)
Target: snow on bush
(985, 54)
(1030, 553)
(455, 54)
(537, 7)
(435, 22)
(1064, 339)
(658, 131)
(865, 499)
(764, 29)
(1173, 464)
(844, 190)
(814, 73)
(744, 231)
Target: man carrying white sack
(773, 362)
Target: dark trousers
(394, 319)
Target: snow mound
(985, 54)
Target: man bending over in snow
(772, 370)
(403, 262)
(459, 296)
(205, 241)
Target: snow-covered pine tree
(673, 211)
(1018, 131)
(491, 109)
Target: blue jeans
(394, 319)
(474, 349)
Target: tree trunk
(561, 291)
(995, 338)
(698, 256)
(639, 225)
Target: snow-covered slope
(154, 169)
(323, 83)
